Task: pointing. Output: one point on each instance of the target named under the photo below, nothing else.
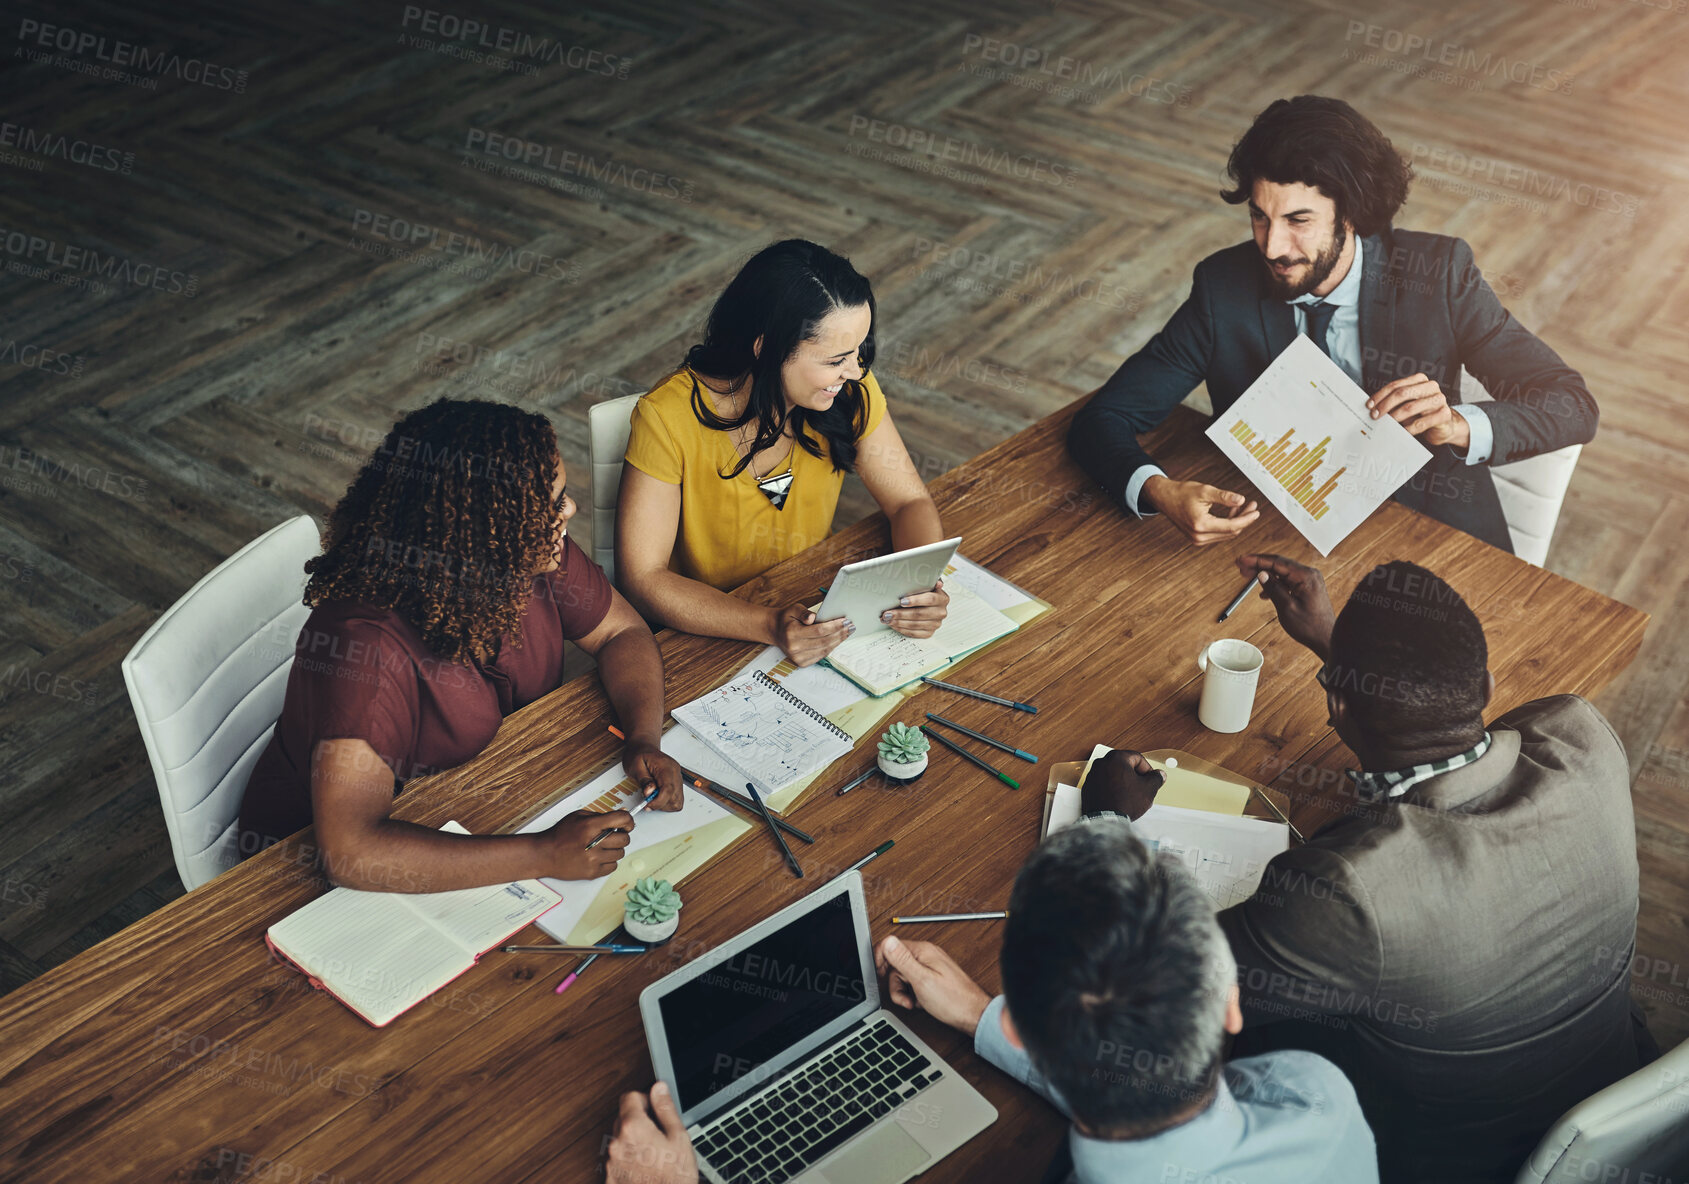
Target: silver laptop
(785, 1066)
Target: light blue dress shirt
(1343, 335)
(1343, 343)
(1282, 1118)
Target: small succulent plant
(651, 902)
(903, 744)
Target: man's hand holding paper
(1419, 405)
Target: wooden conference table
(176, 1051)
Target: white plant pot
(661, 931)
(903, 770)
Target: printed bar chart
(1301, 435)
(1293, 468)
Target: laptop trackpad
(887, 1153)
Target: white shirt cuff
(1483, 433)
(1136, 484)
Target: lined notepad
(768, 734)
(382, 953)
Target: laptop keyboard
(783, 1130)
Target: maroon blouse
(364, 673)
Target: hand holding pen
(651, 791)
(649, 766)
(578, 848)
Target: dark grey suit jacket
(1424, 306)
(1461, 952)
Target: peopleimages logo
(542, 49)
(39, 357)
(1399, 43)
(31, 248)
(943, 150)
(127, 53)
(55, 144)
(1033, 68)
(1527, 181)
(532, 153)
(404, 239)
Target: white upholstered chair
(1531, 491)
(1636, 1129)
(608, 426)
(207, 682)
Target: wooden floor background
(1027, 185)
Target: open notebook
(885, 660)
(764, 732)
(382, 953)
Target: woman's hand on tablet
(805, 640)
(920, 615)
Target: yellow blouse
(729, 530)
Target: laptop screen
(744, 1012)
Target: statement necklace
(777, 489)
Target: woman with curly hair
(446, 588)
(736, 460)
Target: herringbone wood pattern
(370, 216)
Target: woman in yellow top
(736, 460)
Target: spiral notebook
(768, 734)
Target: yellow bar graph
(614, 798)
(1293, 465)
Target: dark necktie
(1319, 315)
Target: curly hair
(1327, 144)
(446, 525)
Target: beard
(1321, 270)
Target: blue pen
(617, 948)
(982, 737)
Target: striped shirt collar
(1371, 787)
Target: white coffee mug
(1230, 669)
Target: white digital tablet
(862, 591)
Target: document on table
(1303, 436)
(1061, 808)
(1186, 786)
(667, 844)
(1226, 853)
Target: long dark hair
(446, 525)
(1326, 144)
(781, 295)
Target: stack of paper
(1199, 818)
(1226, 853)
